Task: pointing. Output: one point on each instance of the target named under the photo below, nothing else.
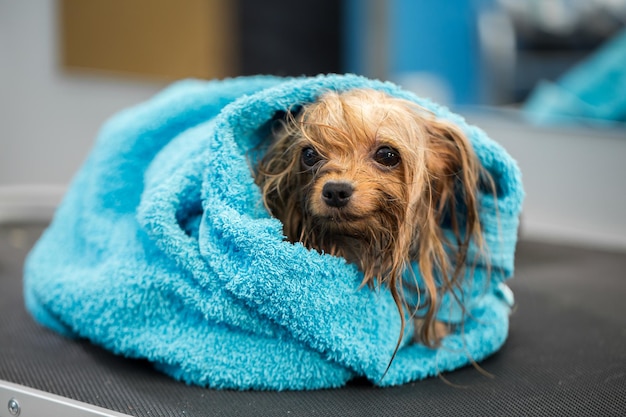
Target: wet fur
(395, 213)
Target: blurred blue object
(437, 37)
(594, 90)
(430, 47)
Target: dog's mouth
(351, 215)
(339, 215)
(343, 222)
(342, 216)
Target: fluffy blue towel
(162, 250)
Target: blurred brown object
(164, 39)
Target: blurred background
(545, 78)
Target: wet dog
(374, 179)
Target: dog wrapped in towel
(163, 250)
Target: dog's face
(357, 173)
(372, 178)
(352, 183)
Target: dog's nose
(337, 193)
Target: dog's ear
(276, 176)
(452, 186)
(454, 172)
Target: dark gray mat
(565, 356)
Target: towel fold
(162, 249)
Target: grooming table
(565, 356)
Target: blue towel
(162, 249)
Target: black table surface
(565, 355)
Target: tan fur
(394, 214)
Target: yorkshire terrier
(375, 179)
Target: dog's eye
(310, 157)
(387, 156)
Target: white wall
(48, 118)
(574, 177)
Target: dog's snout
(337, 193)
